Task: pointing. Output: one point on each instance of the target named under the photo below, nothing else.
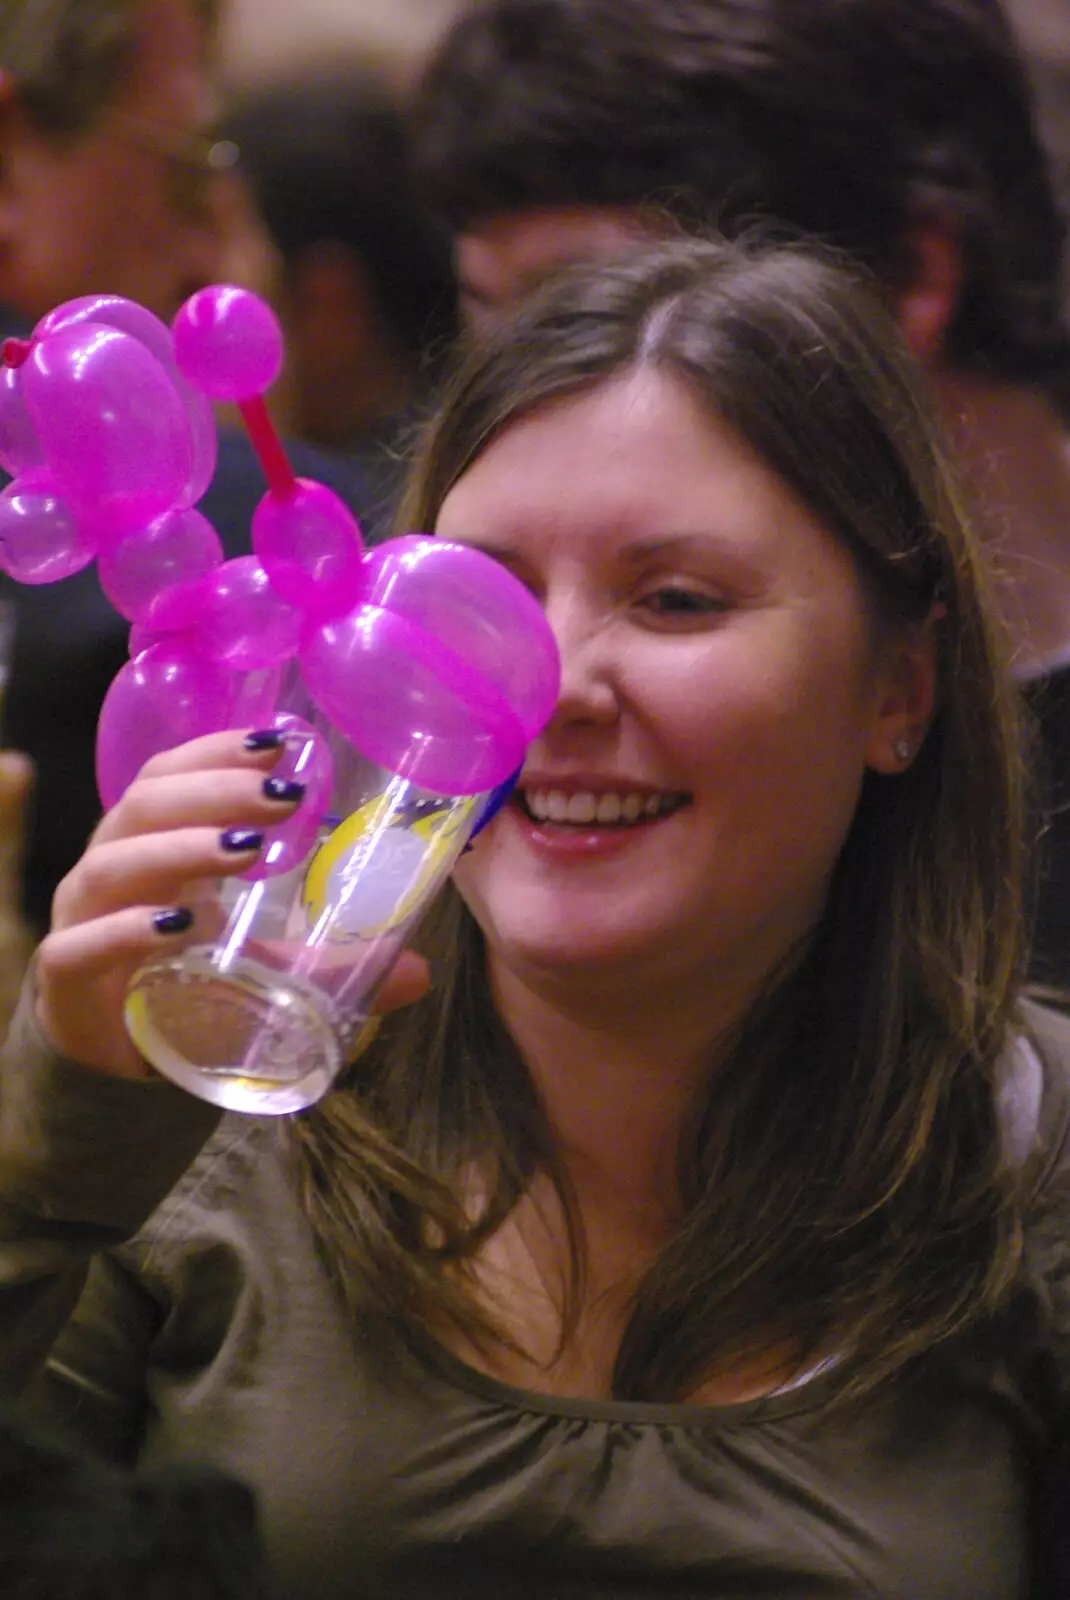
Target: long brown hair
(841, 1173)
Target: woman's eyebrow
(640, 549)
(636, 550)
(686, 541)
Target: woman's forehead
(636, 459)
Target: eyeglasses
(194, 160)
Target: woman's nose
(588, 674)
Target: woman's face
(723, 693)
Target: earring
(902, 749)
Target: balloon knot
(13, 352)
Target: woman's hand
(192, 815)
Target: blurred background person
(105, 155)
(109, 182)
(361, 275)
(265, 40)
(1043, 27)
(554, 129)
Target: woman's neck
(616, 1078)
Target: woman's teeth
(608, 810)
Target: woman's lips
(571, 840)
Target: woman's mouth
(583, 808)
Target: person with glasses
(104, 105)
(110, 178)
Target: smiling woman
(682, 1239)
(720, 664)
(714, 468)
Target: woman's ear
(905, 696)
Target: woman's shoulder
(1036, 1111)
(238, 1199)
(1035, 1093)
(244, 1157)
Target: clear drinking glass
(261, 1008)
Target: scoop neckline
(796, 1399)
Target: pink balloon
(112, 311)
(411, 705)
(475, 607)
(116, 312)
(20, 448)
(177, 609)
(228, 343)
(41, 538)
(111, 425)
(205, 442)
(138, 568)
(243, 623)
(307, 759)
(142, 638)
(310, 546)
(162, 698)
(256, 697)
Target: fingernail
(283, 789)
(263, 739)
(177, 921)
(238, 840)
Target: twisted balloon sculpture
(429, 657)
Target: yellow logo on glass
(369, 875)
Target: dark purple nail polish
(263, 739)
(283, 789)
(180, 920)
(241, 840)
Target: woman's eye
(673, 601)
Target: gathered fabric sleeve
(84, 1159)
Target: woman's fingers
(194, 814)
(82, 976)
(150, 869)
(98, 948)
(209, 780)
(235, 747)
(83, 972)
(215, 797)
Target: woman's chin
(578, 929)
(576, 955)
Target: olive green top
(210, 1332)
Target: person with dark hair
(108, 175)
(364, 285)
(549, 130)
(704, 1229)
(327, 159)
